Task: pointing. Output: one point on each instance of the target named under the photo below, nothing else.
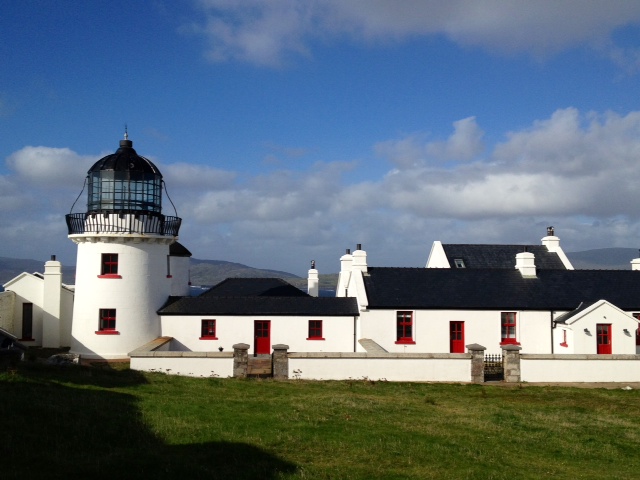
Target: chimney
(360, 259)
(51, 303)
(525, 262)
(312, 280)
(551, 241)
(635, 263)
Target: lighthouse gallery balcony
(123, 223)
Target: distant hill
(211, 272)
(604, 258)
(12, 267)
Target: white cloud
(266, 33)
(50, 166)
(575, 170)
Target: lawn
(81, 422)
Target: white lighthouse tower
(123, 268)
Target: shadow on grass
(52, 430)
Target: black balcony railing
(79, 223)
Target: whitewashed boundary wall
(400, 367)
(155, 356)
(579, 368)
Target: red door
(456, 337)
(262, 336)
(603, 332)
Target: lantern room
(124, 182)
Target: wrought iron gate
(493, 368)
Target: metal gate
(493, 368)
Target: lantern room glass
(124, 191)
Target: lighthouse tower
(123, 268)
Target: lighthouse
(123, 268)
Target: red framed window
(603, 338)
(456, 336)
(637, 317)
(564, 339)
(315, 330)
(508, 322)
(404, 327)
(208, 330)
(109, 265)
(107, 321)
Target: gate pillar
(477, 362)
(511, 359)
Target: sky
(292, 130)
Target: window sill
(27, 339)
(509, 342)
(405, 342)
(107, 332)
(110, 275)
(208, 338)
(315, 338)
(169, 276)
(563, 344)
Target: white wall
(179, 275)
(431, 330)
(292, 331)
(431, 368)
(142, 290)
(580, 368)
(192, 366)
(28, 289)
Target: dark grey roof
(500, 256)
(126, 159)
(275, 306)
(444, 288)
(259, 296)
(566, 316)
(254, 287)
(176, 249)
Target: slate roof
(500, 256)
(176, 249)
(259, 297)
(259, 287)
(499, 289)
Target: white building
(132, 289)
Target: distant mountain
(604, 258)
(12, 267)
(211, 272)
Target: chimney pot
(53, 258)
(348, 251)
(359, 246)
(550, 231)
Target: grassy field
(80, 422)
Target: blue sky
(290, 130)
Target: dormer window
(459, 263)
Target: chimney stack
(313, 283)
(525, 262)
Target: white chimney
(551, 241)
(312, 280)
(635, 264)
(51, 303)
(359, 259)
(525, 262)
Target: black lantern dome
(124, 182)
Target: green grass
(80, 422)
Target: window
(459, 263)
(109, 266)
(456, 337)
(27, 321)
(508, 321)
(208, 330)
(169, 266)
(404, 330)
(564, 339)
(315, 330)
(107, 322)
